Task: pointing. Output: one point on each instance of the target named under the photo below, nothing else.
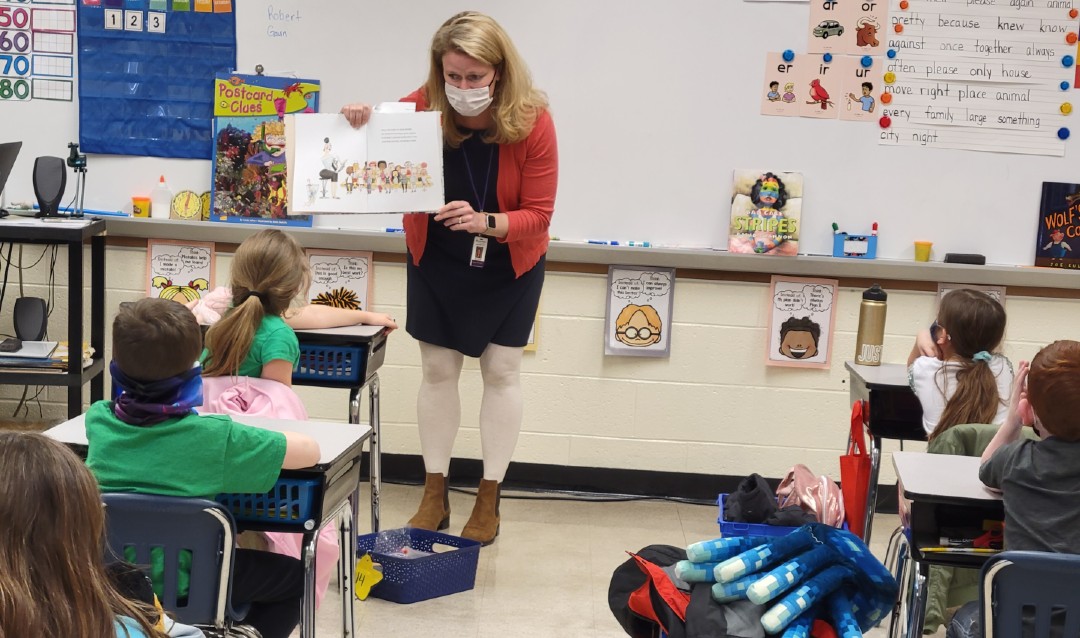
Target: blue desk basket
(410, 580)
(343, 364)
(854, 246)
(730, 528)
(290, 501)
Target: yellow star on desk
(368, 574)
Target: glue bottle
(871, 334)
(161, 200)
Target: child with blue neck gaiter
(151, 441)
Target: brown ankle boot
(483, 525)
(434, 512)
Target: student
(254, 338)
(150, 441)
(953, 367)
(53, 581)
(1039, 480)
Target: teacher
(476, 267)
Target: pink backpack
(818, 495)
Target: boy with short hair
(151, 441)
(1034, 475)
(1039, 480)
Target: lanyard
(487, 177)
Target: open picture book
(392, 164)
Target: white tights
(438, 407)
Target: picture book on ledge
(765, 211)
(249, 176)
(1059, 226)
(392, 164)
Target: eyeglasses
(635, 333)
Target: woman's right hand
(358, 114)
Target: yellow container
(922, 250)
(140, 206)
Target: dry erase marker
(835, 228)
(873, 230)
(394, 230)
(959, 550)
(602, 242)
(642, 244)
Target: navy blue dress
(453, 304)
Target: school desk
(890, 411)
(337, 478)
(945, 491)
(368, 343)
(72, 234)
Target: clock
(205, 197)
(187, 205)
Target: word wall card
(982, 75)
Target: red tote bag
(855, 473)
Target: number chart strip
(981, 75)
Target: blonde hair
(516, 103)
(651, 316)
(52, 546)
(269, 270)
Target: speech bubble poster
(341, 278)
(180, 270)
(638, 322)
(801, 322)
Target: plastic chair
(145, 522)
(1025, 592)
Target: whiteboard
(655, 104)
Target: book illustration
(765, 212)
(393, 164)
(340, 278)
(801, 322)
(183, 271)
(1058, 240)
(250, 177)
(639, 310)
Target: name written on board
(278, 21)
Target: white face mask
(468, 102)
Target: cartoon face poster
(638, 322)
(180, 270)
(340, 278)
(801, 322)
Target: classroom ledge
(566, 256)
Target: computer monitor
(8, 152)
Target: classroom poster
(820, 96)
(178, 269)
(341, 278)
(981, 76)
(859, 88)
(638, 318)
(37, 46)
(801, 322)
(782, 80)
(393, 164)
(842, 27)
(249, 176)
(766, 211)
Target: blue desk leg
(375, 449)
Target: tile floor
(548, 572)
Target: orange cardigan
(527, 179)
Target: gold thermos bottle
(871, 335)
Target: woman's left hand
(459, 215)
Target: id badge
(479, 251)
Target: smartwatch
(490, 222)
